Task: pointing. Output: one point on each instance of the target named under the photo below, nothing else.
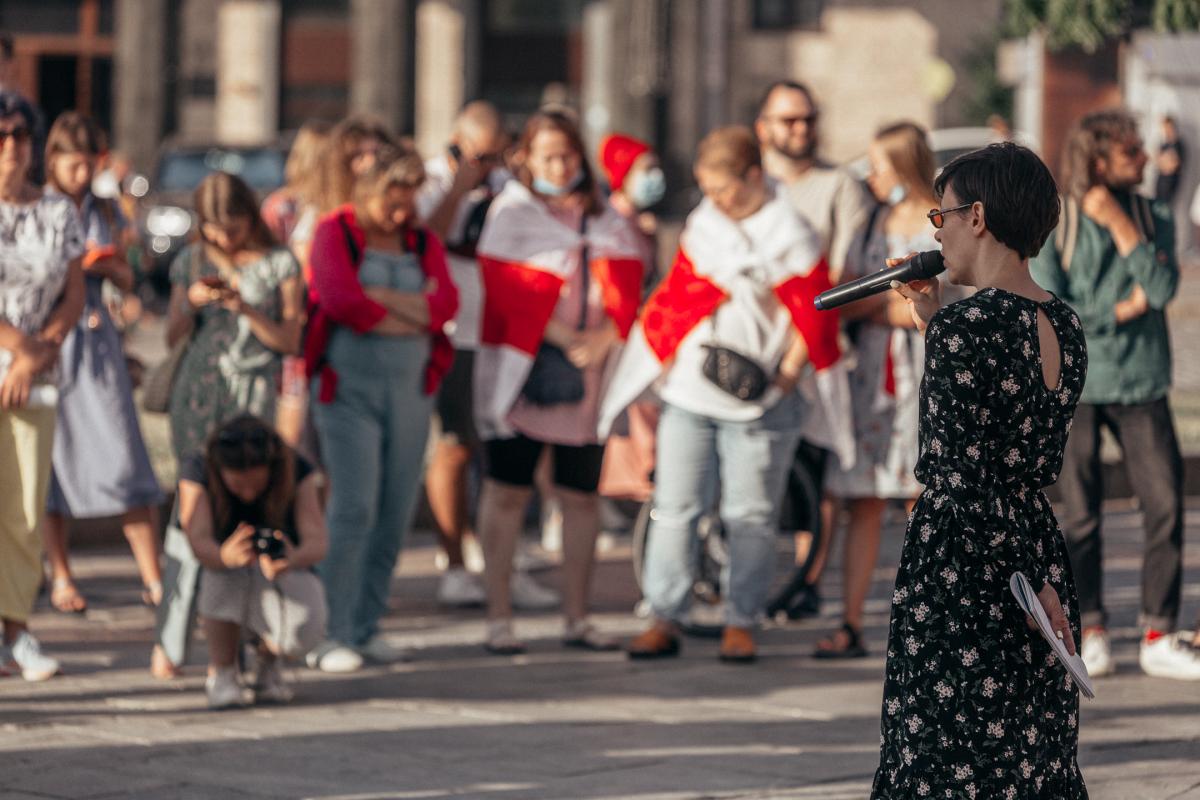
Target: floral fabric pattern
(227, 370)
(975, 704)
(37, 242)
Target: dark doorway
(57, 84)
(102, 83)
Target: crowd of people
(505, 296)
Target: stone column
(248, 63)
(139, 80)
(447, 63)
(598, 94)
(379, 61)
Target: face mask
(647, 188)
(545, 187)
(897, 194)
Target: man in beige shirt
(838, 208)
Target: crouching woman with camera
(249, 506)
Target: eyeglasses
(20, 135)
(937, 216)
(807, 119)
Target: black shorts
(513, 461)
(801, 509)
(455, 402)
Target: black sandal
(853, 649)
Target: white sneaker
(381, 651)
(529, 595)
(26, 653)
(552, 526)
(269, 685)
(527, 560)
(460, 589)
(473, 554)
(332, 657)
(1170, 657)
(1096, 652)
(224, 690)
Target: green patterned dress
(227, 370)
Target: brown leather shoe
(737, 645)
(660, 640)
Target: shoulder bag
(160, 380)
(553, 380)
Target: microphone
(923, 265)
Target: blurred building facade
(667, 70)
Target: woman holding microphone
(974, 702)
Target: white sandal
(584, 635)
(501, 640)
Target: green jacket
(1131, 362)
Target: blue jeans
(373, 437)
(750, 463)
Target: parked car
(168, 219)
(947, 144)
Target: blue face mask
(897, 194)
(646, 188)
(545, 187)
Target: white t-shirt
(464, 331)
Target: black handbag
(553, 380)
(735, 373)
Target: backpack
(1067, 234)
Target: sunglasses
(807, 119)
(937, 216)
(20, 135)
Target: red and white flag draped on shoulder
(712, 251)
(525, 255)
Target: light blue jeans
(373, 438)
(750, 463)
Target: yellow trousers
(26, 441)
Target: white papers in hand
(1027, 599)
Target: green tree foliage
(1088, 24)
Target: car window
(261, 169)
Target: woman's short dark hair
(1019, 196)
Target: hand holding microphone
(914, 276)
(924, 295)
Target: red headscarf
(617, 154)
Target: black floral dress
(974, 703)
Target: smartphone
(214, 282)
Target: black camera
(269, 542)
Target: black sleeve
(192, 468)
(303, 468)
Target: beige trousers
(26, 440)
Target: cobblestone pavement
(554, 724)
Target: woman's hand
(272, 568)
(1058, 618)
(201, 294)
(238, 550)
(232, 302)
(32, 357)
(924, 297)
(591, 346)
